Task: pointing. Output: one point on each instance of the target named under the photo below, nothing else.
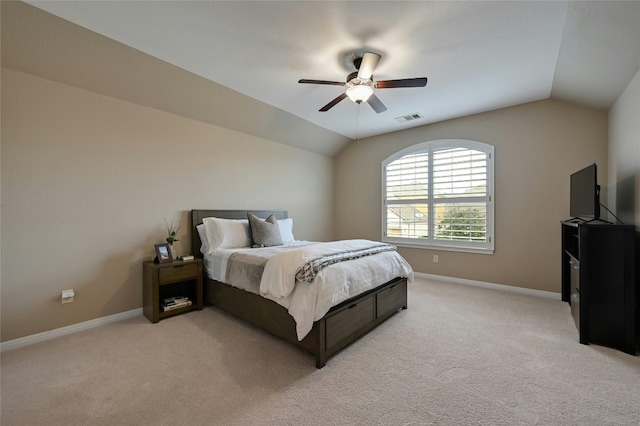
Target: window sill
(442, 248)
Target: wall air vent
(409, 117)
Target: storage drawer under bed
(391, 299)
(350, 321)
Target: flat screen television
(585, 193)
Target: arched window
(439, 195)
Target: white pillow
(226, 233)
(286, 230)
(204, 247)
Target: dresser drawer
(391, 299)
(178, 273)
(342, 326)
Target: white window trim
(430, 146)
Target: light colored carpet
(459, 355)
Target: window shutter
(407, 193)
(460, 194)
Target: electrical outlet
(67, 296)
(435, 258)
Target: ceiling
(478, 56)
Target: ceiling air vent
(409, 117)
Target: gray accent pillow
(264, 233)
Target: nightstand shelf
(162, 280)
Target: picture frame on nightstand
(163, 253)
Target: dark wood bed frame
(342, 325)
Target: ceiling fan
(360, 84)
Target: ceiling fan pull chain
(357, 118)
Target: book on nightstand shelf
(173, 300)
(176, 306)
(171, 303)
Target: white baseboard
(63, 331)
(502, 287)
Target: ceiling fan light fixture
(360, 84)
(359, 93)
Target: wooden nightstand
(163, 280)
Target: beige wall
(537, 146)
(87, 180)
(624, 154)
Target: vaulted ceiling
(477, 56)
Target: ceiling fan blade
(405, 82)
(376, 104)
(334, 83)
(368, 64)
(333, 103)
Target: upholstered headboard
(198, 215)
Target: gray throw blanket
(310, 269)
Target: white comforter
(308, 302)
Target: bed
(343, 323)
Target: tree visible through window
(439, 194)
